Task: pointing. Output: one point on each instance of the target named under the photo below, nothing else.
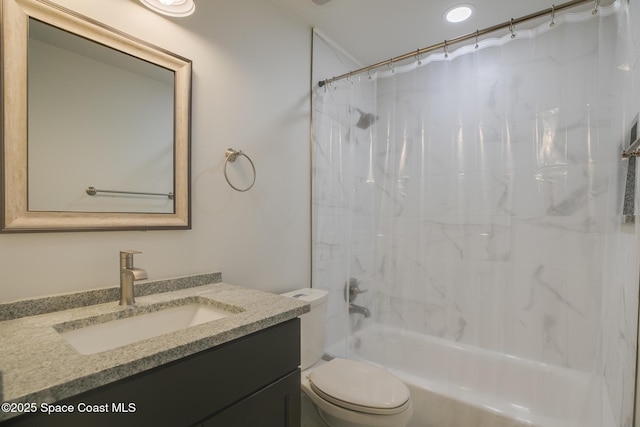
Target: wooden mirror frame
(14, 214)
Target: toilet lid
(360, 387)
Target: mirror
(96, 125)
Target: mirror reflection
(97, 117)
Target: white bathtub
(457, 385)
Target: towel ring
(230, 156)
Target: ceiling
(376, 30)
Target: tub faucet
(129, 274)
(351, 291)
(359, 309)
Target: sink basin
(116, 333)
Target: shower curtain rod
(443, 45)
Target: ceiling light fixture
(459, 13)
(171, 7)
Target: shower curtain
(476, 194)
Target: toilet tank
(311, 325)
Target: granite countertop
(37, 365)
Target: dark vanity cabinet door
(277, 405)
(251, 381)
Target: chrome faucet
(129, 274)
(351, 291)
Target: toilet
(346, 393)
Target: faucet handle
(126, 258)
(127, 253)
(352, 289)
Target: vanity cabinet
(251, 381)
(269, 407)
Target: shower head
(321, 2)
(366, 119)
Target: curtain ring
(369, 72)
(391, 66)
(595, 7)
(230, 156)
(418, 57)
(446, 52)
(553, 15)
(513, 35)
(477, 35)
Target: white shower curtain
(477, 194)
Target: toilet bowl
(346, 393)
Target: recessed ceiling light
(171, 7)
(459, 13)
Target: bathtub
(457, 385)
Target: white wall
(250, 91)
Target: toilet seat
(359, 387)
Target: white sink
(116, 333)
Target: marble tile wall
(342, 217)
(620, 292)
(499, 224)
